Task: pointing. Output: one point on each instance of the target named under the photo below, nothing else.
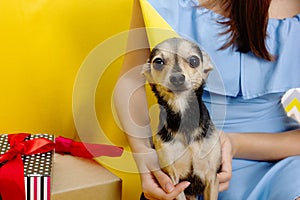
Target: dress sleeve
(259, 77)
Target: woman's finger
(160, 194)
(164, 181)
(153, 190)
(224, 176)
(224, 179)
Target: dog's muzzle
(177, 79)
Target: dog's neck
(184, 114)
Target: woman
(256, 50)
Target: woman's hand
(155, 183)
(225, 173)
(158, 186)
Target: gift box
(81, 179)
(77, 176)
(37, 166)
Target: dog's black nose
(177, 79)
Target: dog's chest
(184, 118)
(187, 159)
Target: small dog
(187, 143)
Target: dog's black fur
(195, 115)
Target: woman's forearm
(129, 95)
(263, 146)
(132, 109)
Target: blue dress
(243, 93)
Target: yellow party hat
(157, 28)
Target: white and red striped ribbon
(37, 188)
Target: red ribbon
(86, 150)
(11, 165)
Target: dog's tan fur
(183, 156)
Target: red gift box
(37, 166)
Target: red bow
(86, 150)
(11, 165)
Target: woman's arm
(129, 95)
(131, 106)
(263, 146)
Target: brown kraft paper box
(77, 178)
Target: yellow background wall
(43, 44)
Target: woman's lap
(255, 180)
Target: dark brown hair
(247, 25)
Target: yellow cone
(157, 28)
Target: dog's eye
(194, 61)
(158, 63)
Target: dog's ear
(146, 68)
(207, 64)
(146, 71)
